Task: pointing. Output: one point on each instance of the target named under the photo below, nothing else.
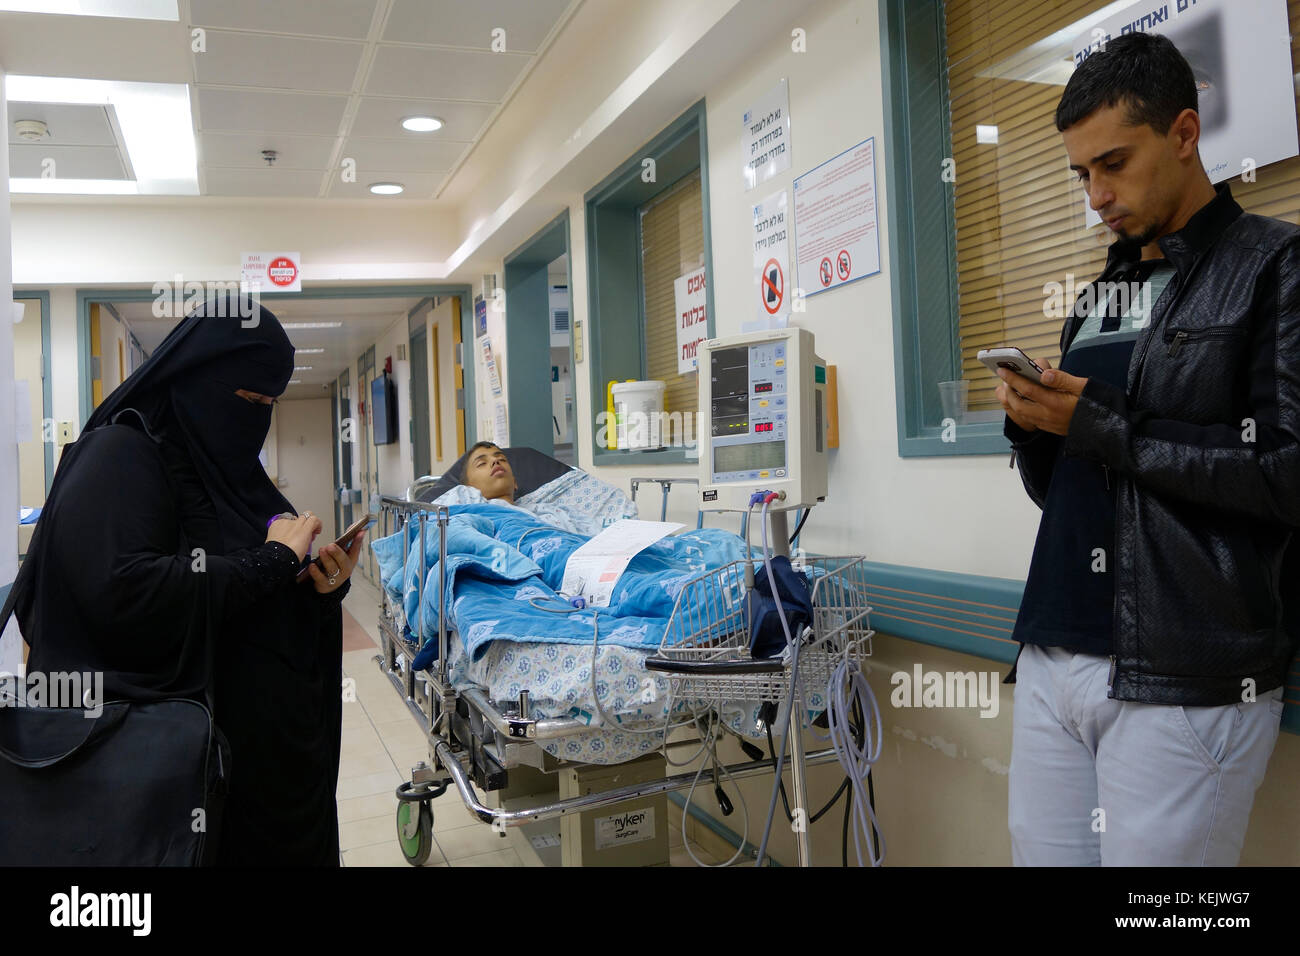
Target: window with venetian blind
(1019, 209)
(672, 244)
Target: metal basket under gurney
(477, 745)
(706, 654)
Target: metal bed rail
(501, 818)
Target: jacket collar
(1184, 247)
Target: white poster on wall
(500, 426)
(835, 226)
(770, 237)
(765, 139)
(1240, 54)
(689, 294)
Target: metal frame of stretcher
(474, 742)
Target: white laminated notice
(634, 826)
(594, 569)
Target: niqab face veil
(186, 394)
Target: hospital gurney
(475, 742)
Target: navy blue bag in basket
(766, 636)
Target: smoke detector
(30, 130)
(270, 156)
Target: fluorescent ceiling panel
(124, 9)
(157, 129)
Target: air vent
(559, 321)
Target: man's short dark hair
(481, 444)
(1143, 71)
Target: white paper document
(594, 569)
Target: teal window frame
(616, 303)
(922, 231)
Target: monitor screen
(383, 415)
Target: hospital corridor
(594, 434)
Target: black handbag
(142, 783)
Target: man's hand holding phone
(1049, 406)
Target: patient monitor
(762, 420)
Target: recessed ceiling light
(386, 189)
(311, 325)
(295, 381)
(422, 124)
(309, 351)
(302, 368)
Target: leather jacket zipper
(1191, 335)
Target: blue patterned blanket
(504, 570)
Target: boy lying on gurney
(570, 502)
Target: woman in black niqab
(152, 563)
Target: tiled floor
(381, 742)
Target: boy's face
(489, 472)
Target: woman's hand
(338, 565)
(298, 533)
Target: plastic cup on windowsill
(953, 396)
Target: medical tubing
(790, 701)
(711, 744)
(785, 801)
(799, 527)
(848, 687)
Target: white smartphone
(1012, 359)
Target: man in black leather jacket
(1163, 599)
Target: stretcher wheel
(416, 847)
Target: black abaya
(150, 564)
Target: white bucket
(638, 409)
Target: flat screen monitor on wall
(383, 403)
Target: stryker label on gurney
(594, 569)
(621, 829)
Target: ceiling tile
(284, 63)
(419, 185)
(443, 74)
(71, 124)
(456, 23)
(245, 149)
(329, 18)
(415, 155)
(380, 117)
(261, 182)
(70, 162)
(271, 111)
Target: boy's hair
(1143, 71)
(481, 444)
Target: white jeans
(1097, 781)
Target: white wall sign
(500, 427)
(271, 271)
(689, 294)
(765, 136)
(836, 234)
(771, 242)
(490, 364)
(1240, 54)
